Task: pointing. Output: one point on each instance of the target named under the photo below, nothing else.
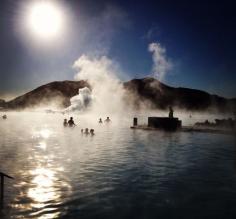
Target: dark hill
(159, 95)
(56, 93)
(147, 91)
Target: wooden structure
(2, 176)
(164, 123)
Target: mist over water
(61, 173)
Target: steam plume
(101, 73)
(81, 101)
(161, 65)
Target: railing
(2, 176)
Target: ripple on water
(118, 172)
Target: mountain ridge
(143, 91)
(161, 96)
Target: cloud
(161, 64)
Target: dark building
(165, 123)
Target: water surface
(118, 173)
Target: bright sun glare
(45, 19)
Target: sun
(45, 19)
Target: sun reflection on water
(42, 145)
(43, 194)
(45, 133)
(43, 190)
(44, 187)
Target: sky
(182, 43)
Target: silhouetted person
(65, 123)
(82, 131)
(92, 132)
(100, 121)
(171, 112)
(86, 131)
(4, 116)
(107, 120)
(71, 122)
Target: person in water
(92, 132)
(171, 112)
(86, 131)
(4, 116)
(107, 120)
(82, 131)
(100, 121)
(65, 123)
(71, 122)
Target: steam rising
(101, 73)
(81, 101)
(161, 65)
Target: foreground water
(118, 173)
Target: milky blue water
(118, 173)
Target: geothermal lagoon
(91, 59)
(117, 173)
